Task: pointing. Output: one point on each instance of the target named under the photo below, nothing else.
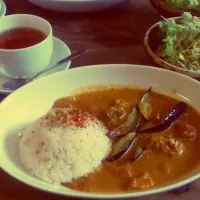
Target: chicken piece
(66, 102)
(166, 167)
(125, 171)
(167, 145)
(186, 131)
(117, 113)
(142, 181)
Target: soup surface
(21, 37)
(169, 154)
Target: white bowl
(34, 99)
(77, 6)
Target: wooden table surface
(111, 36)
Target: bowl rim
(3, 8)
(84, 195)
(160, 61)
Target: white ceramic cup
(26, 62)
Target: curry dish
(157, 156)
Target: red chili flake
(68, 117)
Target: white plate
(34, 99)
(75, 5)
(60, 51)
(2, 8)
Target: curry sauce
(169, 155)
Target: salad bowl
(169, 11)
(152, 41)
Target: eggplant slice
(128, 126)
(141, 122)
(145, 104)
(172, 117)
(138, 153)
(138, 116)
(122, 146)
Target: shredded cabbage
(185, 4)
(181, 42)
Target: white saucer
(2, 8)
(60, 51)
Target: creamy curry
(167, 156)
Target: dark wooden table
(111, 36)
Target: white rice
(58, 153)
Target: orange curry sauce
(156, 167)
